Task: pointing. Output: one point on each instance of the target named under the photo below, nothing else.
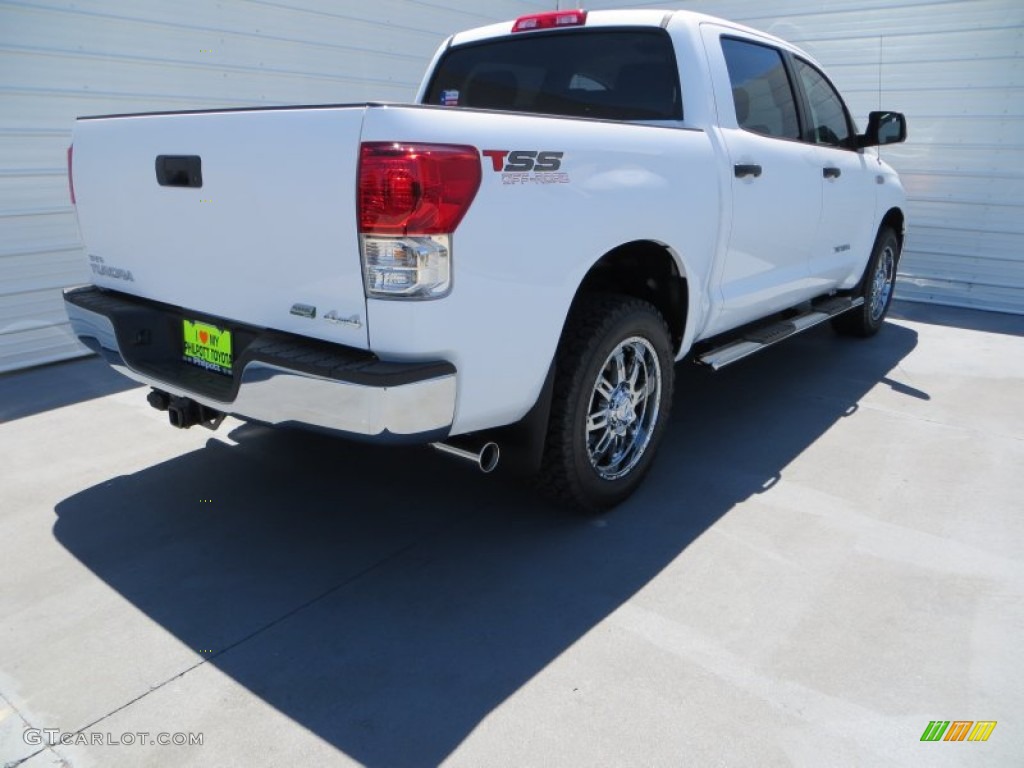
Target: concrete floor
(828, 554)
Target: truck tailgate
(268, 237)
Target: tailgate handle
(179, 171)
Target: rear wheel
(613, 389)
(876, 288)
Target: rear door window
(761, 91)
(627, 74)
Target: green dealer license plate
(207, 346)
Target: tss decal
(523, 160)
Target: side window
(761, 91)
(829, 124)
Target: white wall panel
(955, 67)
(63, 58)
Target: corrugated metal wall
(60, 59)
(955, 68)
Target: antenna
(881, 43)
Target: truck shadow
(388, 600)
(982, 320)
(56, 385)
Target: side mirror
(884, 128)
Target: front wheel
(876, 288)
(613, 389)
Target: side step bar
(762, 337)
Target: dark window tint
(761, 90)
(616, 75)
(829, 124)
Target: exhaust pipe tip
(486, 459)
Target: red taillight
(420, 189)
(550, 20)
(71, 175)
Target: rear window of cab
(611, 74)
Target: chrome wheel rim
(623, 408)
(882, 282)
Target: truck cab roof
(610, 18)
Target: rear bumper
(278, 378)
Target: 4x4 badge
(351, 322)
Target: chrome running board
(761, 337)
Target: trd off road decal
(527, 166)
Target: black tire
(589, 465)
(876, 286)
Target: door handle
(830, 172)
(747, 170)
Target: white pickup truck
(576, 202)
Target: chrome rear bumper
(346, 391)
